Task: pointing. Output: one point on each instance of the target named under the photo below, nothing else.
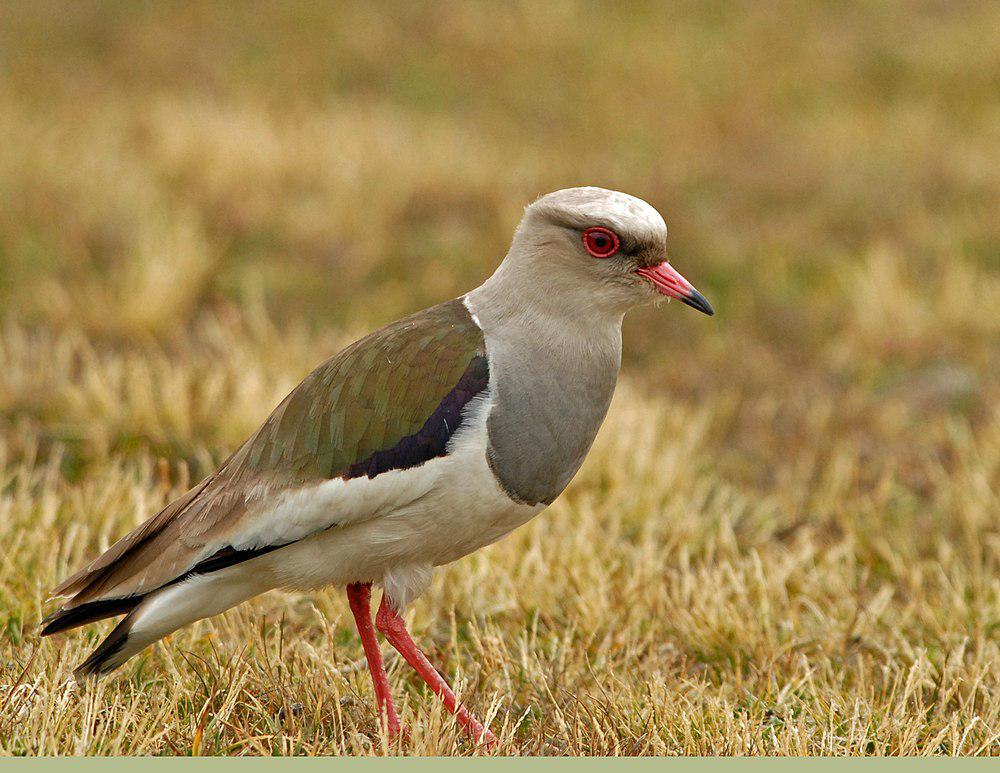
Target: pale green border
(435, 764)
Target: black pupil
(601, 242)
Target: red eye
(600, 242)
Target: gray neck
(553, 367)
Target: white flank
(293, 515)
(462, 508)
(392, 529)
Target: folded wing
(389, 401)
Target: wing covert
(389, 401)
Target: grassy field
(787, 537)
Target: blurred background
(829, 173)
(201, 201)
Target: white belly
(403, 522)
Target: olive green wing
(390, 401)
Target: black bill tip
(698, 301)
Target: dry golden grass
(787, 537)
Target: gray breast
(547, 408)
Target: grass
(787, 537)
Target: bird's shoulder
(390, 401)
(384, 390)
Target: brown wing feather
(93, 572)
(365, 399)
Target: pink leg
(359, 596)
(391, 624)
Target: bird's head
(598, 247)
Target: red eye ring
(601, 242)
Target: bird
(418, 444)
